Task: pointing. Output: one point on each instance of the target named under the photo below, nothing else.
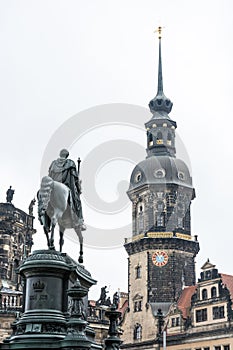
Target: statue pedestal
(47, 276)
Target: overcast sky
(59, 58)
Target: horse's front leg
(61, 241)
(47, 237)
(51, 242)
(45, 221)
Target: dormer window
(218, 312)
(159, 173)
(204, 294)
(201, 315)
(181, 175)
(138, 177)
(213, 292)
(175, 321)
(208, 274)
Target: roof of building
(208, 265)
(160, 170)
(228, 281)
(123, 308)
(184, 301)
(92, 302)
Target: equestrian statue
(59, 201)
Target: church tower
(161, 250)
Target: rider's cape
(64, 170)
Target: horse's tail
(45, 192)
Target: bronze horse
(54, 207)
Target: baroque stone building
(165, 305)
(200, 319)
(16, 230)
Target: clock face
(159, 258)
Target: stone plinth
(47, 276)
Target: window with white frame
(218, 312)
(201, 315)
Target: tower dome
(160, 170)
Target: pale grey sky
(59, 57)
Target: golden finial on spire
(159, 31)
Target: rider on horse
(64, 170)
(59, 201)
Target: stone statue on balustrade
(9, 195)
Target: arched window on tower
(204, 294)
(150, 139)
(138, 306)
(213, 292)
(187, 220)
(180, 222)
(140, 218)
(160, 219)
(137, 332)
(137, 301)
(159, 138)
(138, 271)
(160, 215)
(169, 139)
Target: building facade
(16, 231)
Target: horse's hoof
(52, 248)
(80, 259)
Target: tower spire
(160, 103)
(160, 72)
